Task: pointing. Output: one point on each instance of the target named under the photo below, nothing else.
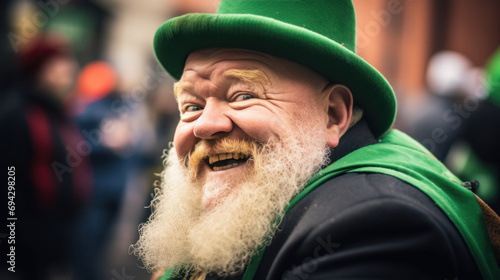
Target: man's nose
(213, 121)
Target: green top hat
(319, 34)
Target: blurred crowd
(84, 123)
(459, 117)
(86, 113)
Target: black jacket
(365, 226)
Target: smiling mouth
(225, 161)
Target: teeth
(213, 158)
(218, 157)
(219, 168)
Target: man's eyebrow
(248, 76)
(182, 86)
(244, 75)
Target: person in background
(44, 145)
(101, 117)
(446, 81)
(482, 135)
(454, 122)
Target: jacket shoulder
(367, 225)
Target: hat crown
(334, 19)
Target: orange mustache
(206, 148)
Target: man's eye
(244, 96)
(193, 108)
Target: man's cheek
(262, 127)
(184, 140)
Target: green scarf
(400, 156)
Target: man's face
(254, 129)
(236, 94)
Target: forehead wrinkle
(265, 60)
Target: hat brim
(180, 36)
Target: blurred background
(86, 113)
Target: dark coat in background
(53, 180)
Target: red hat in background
(31, 58)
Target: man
(282, 166)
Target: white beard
(182, 234)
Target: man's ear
(339, 111)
